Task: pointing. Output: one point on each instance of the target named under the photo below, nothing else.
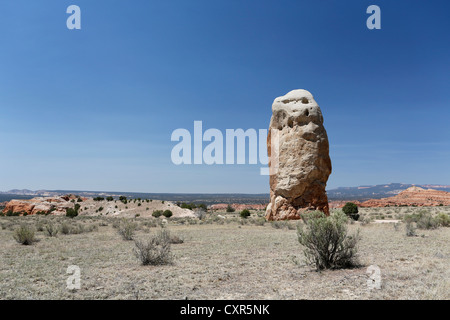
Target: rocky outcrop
(299, 161)
(40, 205)
(413, 196)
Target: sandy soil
(221, 259)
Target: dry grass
(219, 259)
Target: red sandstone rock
(54, 205)
(413, 196)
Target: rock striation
(299, 161)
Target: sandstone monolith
(299, 161)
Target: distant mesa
(237, 206)
(413, 196)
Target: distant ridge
(377, 191)
(361, 193)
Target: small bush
(51, 230)
(64, 228)
(427, 222)
(443, 219)
(279, 224)
(167, 213)
(11, 213)
(244, 214)
(326, 241)
(365, 220)
(230, 208)
(200, 213)
(351, 210)
(72, 212)
(260, 221)
(410, 229)
(155, 250)
(126, 229)
(24, 235)
(157, 213)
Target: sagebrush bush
(410, 229)
(200, 213)
(24, 235)
(279, 224)
(260, 221)
(51, 230)
(427, 221)
(155, 250)
(64, 228)
(126, 229)
(230, 208)
(443, 219)
(365, 220)
(327, 242)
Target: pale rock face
(300, 165)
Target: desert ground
(222, 257)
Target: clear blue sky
(94, 109)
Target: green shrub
(244, 214)
(351, 210)
(157, 213)
(98, 199)
(230, 208)
(167, 213)
(109, 198)
(24, 235)
(71, 213)
(326, 241)
(11, 213)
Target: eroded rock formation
(413, 196)
(42, 205)
(299, 160)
